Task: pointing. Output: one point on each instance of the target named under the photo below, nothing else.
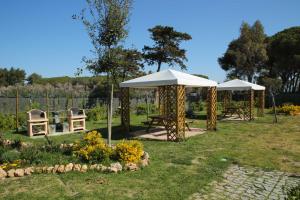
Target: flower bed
(89, 153)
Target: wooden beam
(261, 103)
(211, 122)
(175, 112)
(125, 109)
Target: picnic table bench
(233, 110)
(160, 120)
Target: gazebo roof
(238, 84)
(168, 77)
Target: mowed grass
(177, 170)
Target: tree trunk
(107, 106)
(249, 77)
(158, 67)
(275, 120)
(110, 114)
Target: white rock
(3, 173)
(93, 167)
(145, 156)
(28, 170)
(50, 170)
(11, 173)
(19, 173)
(84, 168)
(69, 167)
(77, 167)
(61, 169)
(116, 165)
(144, 163)
(131, 166)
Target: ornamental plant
(12, 165)
(290, 109)
(129, 151)
(92, 148)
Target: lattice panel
(162, 100)
(180, 112)
(226, 99)
(261, 103)
(125, 109)
(175, 112)
(249, 114)
(212, 109)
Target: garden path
(249, 183)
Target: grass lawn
(177, 170)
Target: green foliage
(7, 122)
(293, 193)
(32, 155)
(11, 76)
(9, 156)
(96, 114)
(92, 148)
(284, 58)
(196, 106)
(105, 22)
(166, 47)
(129, 151)
(141, 109)
(246, 55)
(34, 79)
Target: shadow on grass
(119, 133)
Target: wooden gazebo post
(261, 103)
(250, 110)
(227, 99)
(212, 109)
(174, 102)
(125, 109)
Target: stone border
(113, 168)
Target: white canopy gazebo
(240, 85)
(171, 85)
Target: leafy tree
(284, 58)
(105, 22)
(34, 78)
(166, 48)
(11, 76)
(247, 55)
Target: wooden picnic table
(233, 110)
(160, 120)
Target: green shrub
(293, 193)
(196, 106)
(92, 148)
(141, 109)
(22, 118)
(7, 122)
(129, 151)
(9, 156)
(96, 114)
(31, 155)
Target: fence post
(47, 103)
(17, 110)
(72, 103)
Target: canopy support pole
(125, 109)
(175, 112)
(261, 103)
(227, 99)
(249, 114)
(211, 121)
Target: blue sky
(40, 35)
